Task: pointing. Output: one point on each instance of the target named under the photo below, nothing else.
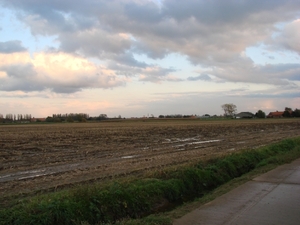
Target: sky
(136, 58)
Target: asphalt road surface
(272, 198)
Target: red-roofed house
(275, 114)
(38, 119)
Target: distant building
(205, 116)
(275, 114)
(244, 115)
(38, 119)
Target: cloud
(11, 47)
(94, 43)
(58, 72)
(244, 70)
(175, 26)
(212, 34)
(156, 74)
(19, 70)
(203, 77)
(128, 60)
(289, 37)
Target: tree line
(76, 117)
(231, 109)
(68, 117)
(15, 117)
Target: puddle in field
(201, 142)
(175, 140)
(193, 143)
(129, 156)
(23, 175)
(37, 173)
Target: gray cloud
(203, 77)
(23, 71)
(128, 60)
(212, 34)
(294, 94)
(147, 12)
(157, 75)
(288, 38)
(95, 43)
(66, 90)
(244, 70)
(282, 71)
(20, 77)
(8, 47)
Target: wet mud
(49, 156)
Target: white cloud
(289, 37)
(59, 72)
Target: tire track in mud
(31, 174)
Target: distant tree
(70, 119)
(296, 113)
(161, 116)
(288, 109)
(287, 113)
(49, 119)
(56, 120)
(102, 117)
(260, 114)
(229, 109)
(81, 118)
(9, 116)
(178, 116)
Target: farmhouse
(38, 119)
(244, 115)
(275, 114)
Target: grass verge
(141, 201)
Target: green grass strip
(95, 204)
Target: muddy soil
(49, 156)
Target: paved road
(272, 198)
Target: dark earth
(35, 157)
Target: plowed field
(49, 156)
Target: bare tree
(229, 109)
